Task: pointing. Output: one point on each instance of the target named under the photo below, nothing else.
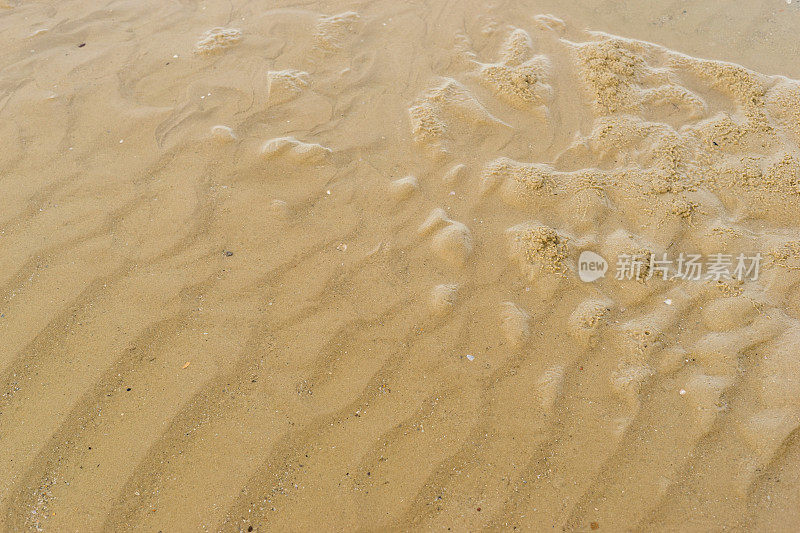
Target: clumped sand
(315, 268)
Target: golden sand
(269, 267)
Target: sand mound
(217, 39)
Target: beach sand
(271, 266)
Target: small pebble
(471, 357)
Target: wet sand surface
(315, 266)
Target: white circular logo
(591, 266)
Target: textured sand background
(246, 249)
